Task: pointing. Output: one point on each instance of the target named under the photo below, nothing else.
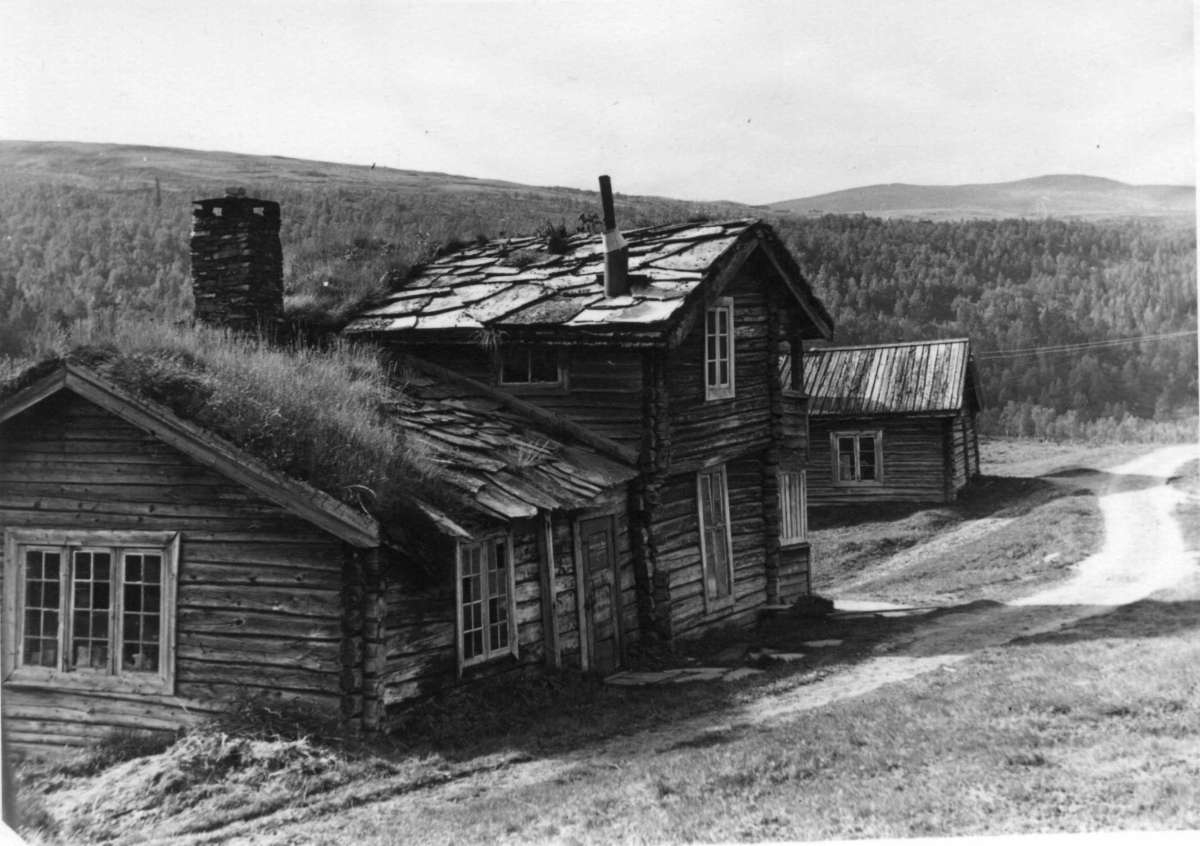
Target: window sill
(479, 666)
(878, 484)
(719, 603)
(542, 388)
(88, 683)
(793, 545)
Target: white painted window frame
(528, 351)
(487, 544)
(857, 435)
(713, 599)
(713, 388)
(793, 507)
(118, 544)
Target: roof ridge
(891, 345)
(534, 413)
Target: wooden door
(600, 614)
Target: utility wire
(1082, 346)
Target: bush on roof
(319, 415)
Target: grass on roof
(318, 415)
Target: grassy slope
(1090, 728)
(125, 167)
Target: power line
(1082, 346)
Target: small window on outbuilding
(91, 610)
(531, 366)
(857, 458)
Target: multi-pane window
(718, 350)
(858, 458)
(793, 509)
(521, 365)
(92, 609)
(712, 495)
(485, 600)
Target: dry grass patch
(1002, 538)
(319, 415)
(1096, 733)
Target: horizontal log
(194, 671)
(256, 623)
(308, 603)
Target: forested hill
(85, 229)
(1043, 196)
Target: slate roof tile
(499, 461)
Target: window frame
(714, 599)
(118, 544)
(857, 435)
(720, 390)
(800, 517)
(488, 654)
(560, 383)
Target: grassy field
(1092, 727)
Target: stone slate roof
(924, 377)
(500, 462)
(519, 285)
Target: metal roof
(519, 283)
(923, 377)
(502, 464)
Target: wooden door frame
(583, 585)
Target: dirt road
(1143, 554)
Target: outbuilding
(892, 422)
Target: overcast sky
(749, 101)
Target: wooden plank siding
(677, 527)
(259, 606)
(603, 385)
(420, 626)
(924, 460)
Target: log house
(900, 419)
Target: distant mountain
(1063, 195)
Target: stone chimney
(237, 263)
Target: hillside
(126, 167)
(1042, 196)
(87, 229)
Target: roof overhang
(299, 498)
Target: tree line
(71, 251)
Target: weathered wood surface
(602, 391)
(915, 456)
(259, 608)
(925, 377)
(420, 626)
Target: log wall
(753, 434)
(965, 446)
(917, 461)
(421, 617)
(259, 606)
(677, 527)
(603, 392)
